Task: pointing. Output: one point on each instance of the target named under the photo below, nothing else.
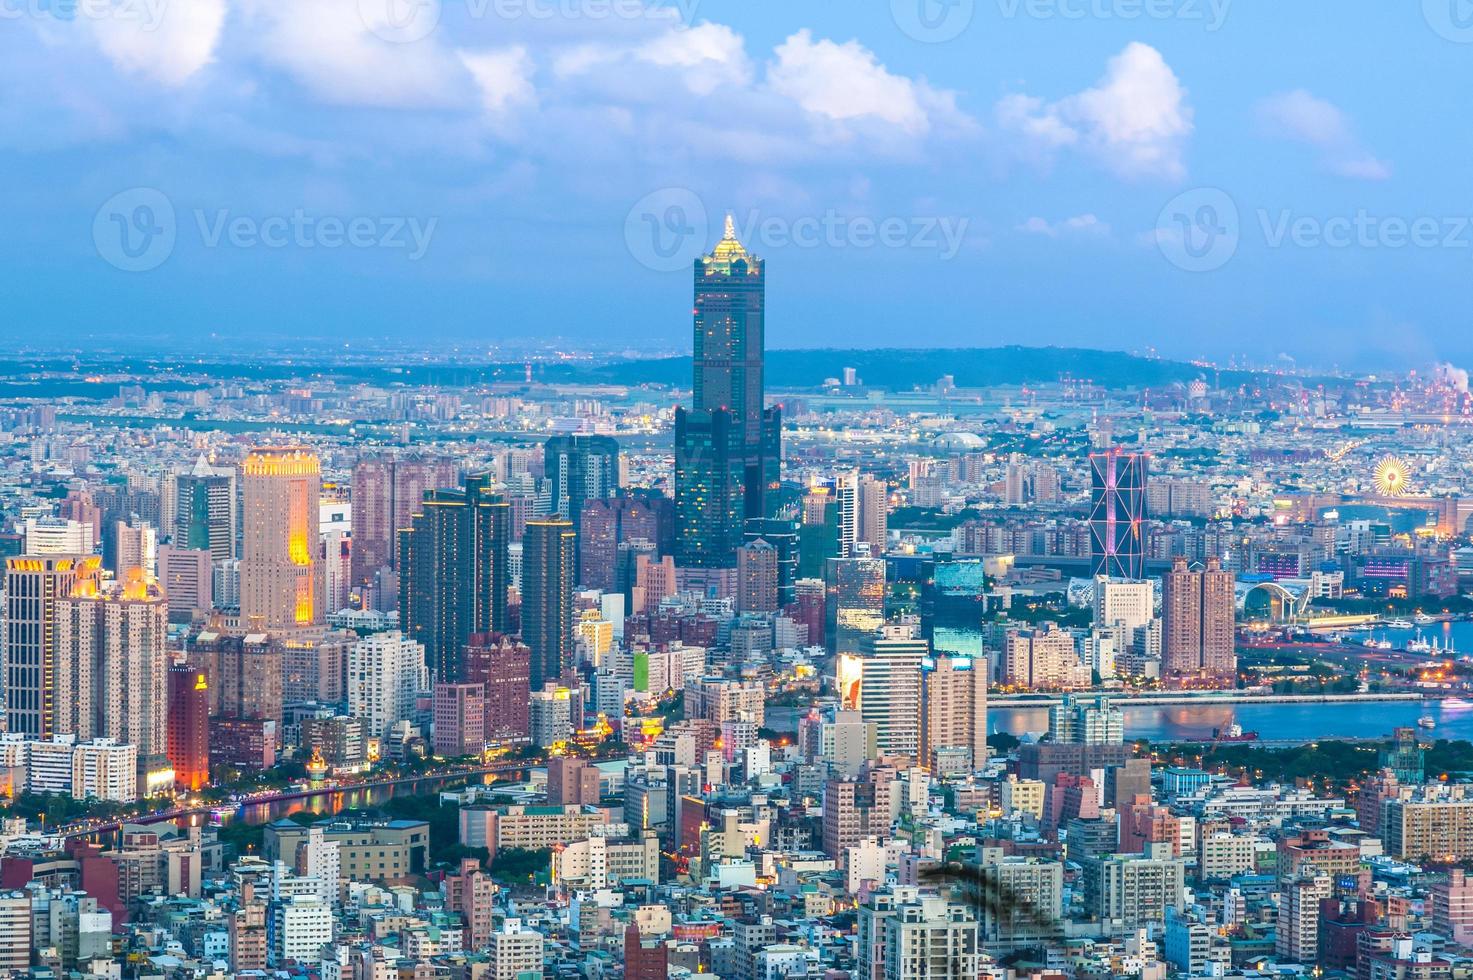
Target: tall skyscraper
(856, 601)
(728, 444)
(953, 714)
(579, 468)
(503, 666)
(111, 671)
(204, 514)
(189, 726)
(281, 582)
(548, 548)
(1117, 514)
(874, 513)
(454, 572)
(387, 492)
(889, 664)
(34, 585)
(1197, 612)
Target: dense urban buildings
(912, 678)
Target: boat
(1423, 619)
(1398, 624)
(1233, 733)
(1426, 721)
(1419, 645)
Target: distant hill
(905, 368)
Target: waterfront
(349, 799)
(1272, 722)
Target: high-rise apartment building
(188, 580)
(281, 581)
(874, 513)
(503, 666)
(548, 550)
(1117, 514)
(1043, 658)
(34, 585)
(386, 674)
(1198, 606)
(612, 529)
(953, 714)
(454, 572)
(728, 443)
(757, 570)
(579, 467)
(110, 678)
(387, 492)
(889, 663)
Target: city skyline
(1050, 170)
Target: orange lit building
(281, 576)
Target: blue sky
(1202, 177)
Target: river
(348, 799)
(1272, 722)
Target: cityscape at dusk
(634, 490)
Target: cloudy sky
(1202, 177)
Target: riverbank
(1180, 698)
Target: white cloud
(1305, 118)
(326, 47)
(167, 43)
(708, 56)
(1135, 121)
(503, 77)
(1081, 225)
(846, 84)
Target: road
(175, 813)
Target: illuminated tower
(728, 444)
(280, 577)
(1117, 514)
(189, 726)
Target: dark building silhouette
(453, 572)
(548, 550)
(580, 468)
(728, 444)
